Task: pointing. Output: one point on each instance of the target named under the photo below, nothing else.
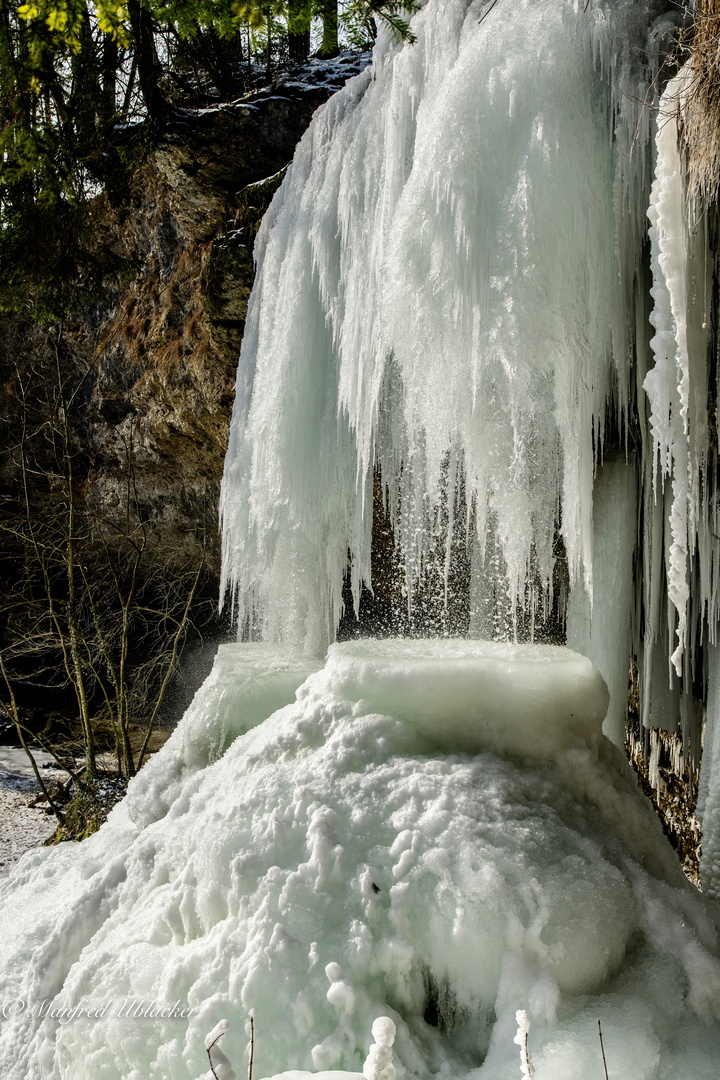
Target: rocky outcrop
(155, 360)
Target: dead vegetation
(699, 105)
(653, 755)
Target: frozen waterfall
(446, 293)
(455, 294)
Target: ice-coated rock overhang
(526, 701)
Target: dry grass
(700, 105)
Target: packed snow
(340, 861)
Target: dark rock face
(154, 363)
(225, 288)
(256, 140)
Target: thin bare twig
(486, 13)
(251, 1063)
(602, 1050)
(212, 1067)
(16, 717)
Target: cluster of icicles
(454, 292)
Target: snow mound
(334, 865)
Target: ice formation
(681, 590)
(378, 1064)
(339, 863)
(708, 807)
(454, 293)
(446, 293)
(219, 1063)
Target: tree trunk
(110, 62)
(298, 30)
(329, 12)
(85, 95)
(148, 66)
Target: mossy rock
(89, 806)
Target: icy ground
(21, 826)
(392, 838)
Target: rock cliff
(154, 360)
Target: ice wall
(708, 806)
(681, 535)
(341, 860)
(445, 291)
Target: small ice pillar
(602, 632)
(708, 805)
(378, 1064)
(523, 1022)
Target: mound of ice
(247, 683)
(378, 1064)
(328, 1074)
(526, 701)
(334, 866)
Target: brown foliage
(699, 104)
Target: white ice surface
(245, 686)
(328, 1074)
(14, 761)
(602, 631)
(708, 804)
(335, 865)
(529, 701)
(445, 282)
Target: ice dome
(339, 861)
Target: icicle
(654, 775)
(603, 632)
(667, 384)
